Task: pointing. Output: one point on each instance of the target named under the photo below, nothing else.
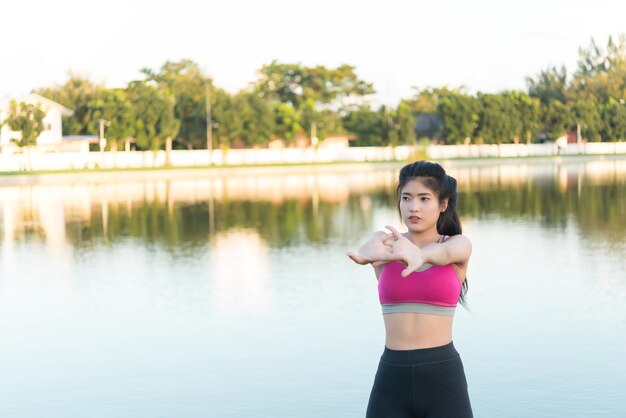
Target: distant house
(301, 141)
(52, 134)
(331, 142)
(427, 125)
(569, 137)
(336, 142)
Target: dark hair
(435, 178)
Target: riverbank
(125, 174)
(39, 161)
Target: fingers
(357, 259)
(354, 257)
(409, 269)
(380, 234)
(385, 237)
(397, 235)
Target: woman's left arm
(455, 250)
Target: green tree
(614, 121)
(295, 84)
(556, 119)
(424, 105)
(186, 82)
(309, 114)
(27, 119)
(587, 114)
(114, 106)
(313, 92)
(499, 119)
(594, 60)
(76, 94)
(550, 84)
(329, 123)
(153, 115)
(258, 119)
(601, 73)
(343, 84)
(365, 124)
(228, 112)
(286, 122)
(403, 132)
(385, 116)
(528, 113)
(459, 115)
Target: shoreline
(20, 178)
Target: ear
(444, 205)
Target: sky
(484, 45)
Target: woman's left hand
(401, 249)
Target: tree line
(289, 101)
(592, 101)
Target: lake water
(231, 296)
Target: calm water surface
(208, 296)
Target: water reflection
(192, 290)
(240, 287)
(182, 215)
(591, 194)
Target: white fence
(524, 150)
(39, 160)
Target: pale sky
(485, 45)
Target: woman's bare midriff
(408, 331)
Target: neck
(424, 238)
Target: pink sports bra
(434, 290)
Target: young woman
(421, 277)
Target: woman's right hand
(374, 249)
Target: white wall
(523, 150)
(52, 133)
(14, 159)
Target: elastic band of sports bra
(424, 308)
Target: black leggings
(420, 383)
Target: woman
(421, 277)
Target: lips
(414, 218)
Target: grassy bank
(24, 176)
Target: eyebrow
(419, 194)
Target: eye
(405, 198)
(425, 199)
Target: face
(419, 206)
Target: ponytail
(449, 222)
